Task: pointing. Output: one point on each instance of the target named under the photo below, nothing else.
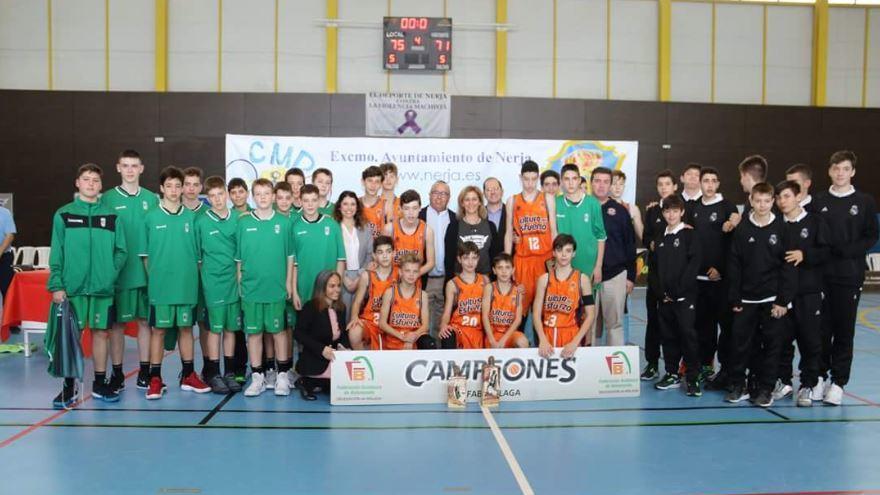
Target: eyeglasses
(439, 193)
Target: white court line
(508, 454)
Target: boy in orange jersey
(502, 307)
(531, 219)
(372, 201)
(363, 329)
(404, 315)
(563, 308)
(460, 326)
(410, 234)
(389, 183)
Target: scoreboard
(417, 43)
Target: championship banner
(421, 162)
(424, 115)
(420, 376)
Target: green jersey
(264, 246)
(88, 249)
(131, 210)
(172, 256)
(583, 221)
(216, 239)
(200, 209)
(318, 247)
(326, 209)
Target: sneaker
(218, 385)
(117, 383)
(834, 395)
(650, 372)
(752, 388)
(304, 390)
(143, 380)
(819, 390)
(192, 383)
(668, 381)
(694, 388)
(718, 382)
(282, 385)
(782, 390)
(231, 383)
(102, 391)
(271, 378)
(257, 386)
(241, 378)
(764, 398)
(66, 398)
(737, 393)
(804, 398)
(705, 373)
(156, 389)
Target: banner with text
(420, 377)
(425, 115)
(421, 162)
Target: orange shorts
(469, 338)
(371, 337)
(511, 342)
(392, 343)
(526, 270)
(560, 336)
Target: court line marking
(856, 397)
(216, 409)
(831, 492)
(521, 480)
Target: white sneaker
(282, 384)
(257, 385)
(782, 390)
(271, 377)
(804, 398)
(834, 395)
(819, 390)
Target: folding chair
(42, 257)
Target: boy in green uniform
(297, 179)
(322, 178)
(192, 187)
(130, 202)
(171, 259)
(317, 241)
(265, 265)
(238, 194)
(88, 251)
(580, 216)
(215, 237)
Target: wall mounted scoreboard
(417, 43)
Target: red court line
(44, 422)
(832, 492)
(866, 401)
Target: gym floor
(659, 443)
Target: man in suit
(438, 217)
(494, 193)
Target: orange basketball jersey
(532, 224)
(468, 305)
(405, 315)
(374, 216)
(408, 243)
(502, 309)
(562, 300)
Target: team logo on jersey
(854, 210)
(277, 228)
(586, 218)
(103, 222)
(713, 216)
(751, 239)
(186, 227)
(612, 212)
(825, 208)
(805, 233)
(657, 221)
(326, 230)
(146, 206)
(676, 242)
(662, 244)
(773, 240)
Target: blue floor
(659, 443)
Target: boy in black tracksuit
(654, 226)
(762, 286)
(809, 251)
(713, 218)
(852, 220)
(677, 255)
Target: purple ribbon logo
(410, 116)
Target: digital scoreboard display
(417, 43)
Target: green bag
(62, 342)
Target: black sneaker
(670, 380)
(117, 383)
(143, 380)
(218, 385)
(737, 393)
(231, 383)
(102, 391)
(65, 399)
(752, 387)
(706, 372)
(718, 382)
(764, 398)
(694, 388)
(650, 372)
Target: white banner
(421, 162)
(423, 115)
(420, 377)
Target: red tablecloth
(28, 300)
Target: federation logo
(618, 363)
(359, 369)
(805, 233)
(854, 210)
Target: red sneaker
(156, 389)
(192, 383)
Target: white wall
(193, 30)
(691, 52)
(789, 55)
(132, 45)
(78, 43)
(873, 86)
(634, 50)
(846, 48)
(24, 45)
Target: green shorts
(224, 317)
(171, 315)
(263, 317)
(95, 312)
(290, 315)
(131, 305)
